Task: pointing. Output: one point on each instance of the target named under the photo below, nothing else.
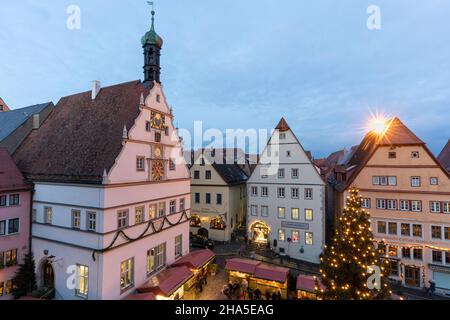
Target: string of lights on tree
(345, 265)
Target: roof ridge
(103, 88)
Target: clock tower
(152, 44)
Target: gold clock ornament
(157, 171)
(157, 121)
(157, 153)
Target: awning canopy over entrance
(196, 259)
(167, 281)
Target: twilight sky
(245, 64)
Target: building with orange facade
(407, 192)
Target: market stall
(141, 297)
(169, 284)
(306, 287)
(198, 263)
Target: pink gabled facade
(14, 222)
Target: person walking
(431, 288)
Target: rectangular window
(14, 199)
(392, 204)
(376, 181)
(308, 194)
(197, 197)
(13, 226)
(3, 200)
(415, 181)
(208, 198)
(435, 207)
(416, 205)
(208, 175)
(254, 210)
(264, 192)
(294, 173)
(182, 204)
(148, 126)
(309, 238)
(392, 181)
(179, 246)
(447, 233)
(254, 191)
(122, 219)
(11, 257)
(2, 285)
(406, 253)
(82, 281)
(295, 215)
(140, 163)
(406, 229)
(392, 228)
(417, 230)
(281, 193)
(76, 219)
(219, 199)
(281, 173)
(281, 213)
(264, 173)
(393, 268)
(172, 165)
(127, 274)
(9, 287)
(381, 227)
(2, 227)
(152, 212)
(381, 204)
(281, 235)
(288, 154)
(294, 193)
(434, 181)
(384, 181)
(417, 254)
(91, 221)
(264, 211)
(436, 232)
(295, 236)
(139, 215)
(196, 175)
(446, 207)
(157, 136)
(393, 251)
(34, 215)
(48, 215)
(404, 205)
(282, 136)
(447, 257)
(161, 209)
(366, 203)
(173, 207)
(437, 256)
(392, 155)
(309, 214)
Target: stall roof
(270, 272)
(167, 281)
(141, 297)
(307, 283)
(195, 259)
(242, 265)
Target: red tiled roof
(282, 125)
(242, 265)
(10, 177)
(167, 281)
(82, 137)
(398, 134)
(141, 296)
(272, 273)
(307, 283)
(196, 259)
(444, 156)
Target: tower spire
(152, 44)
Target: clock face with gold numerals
(157, 171)
(157, 121)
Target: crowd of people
(241, 291)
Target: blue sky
(244, 64)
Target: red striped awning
(166, 282)
(195, 259)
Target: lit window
(417, 230)
(182, 205)
(139, 215)
(48, 215)
(406, 229)
(392, 228)
(381, 227)
(161, 209)
(281, 213)
(127, 273)
(179, 246)
(393, 251)
(76, 219)
(152, 212)
(82, 281)
(436, 232)
(309, 214)
(295, 236)
(281, 235)
(295, 215)
(11, 257)
(309, 239)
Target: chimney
(36, 122)
(96, 87)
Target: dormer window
(158, 98)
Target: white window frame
(91, 221)
(281, 193)
(309, 194)
(76, 219)
(254, 210)
(281, 210)
(295, 193)
(179, 246)
(127, 274)
(295, 216)
(82, 289)
(309, 238)
(309, 214)
(416, 181)
(265, 211)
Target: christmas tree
(353, 268)
(25, 278)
